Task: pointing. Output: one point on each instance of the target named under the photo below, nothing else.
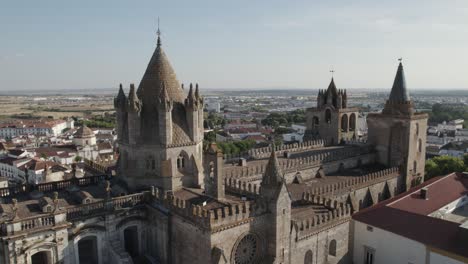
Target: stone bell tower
(399, 133)
(160, 130)
(332, 119)
(276, 198)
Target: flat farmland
(57, 106)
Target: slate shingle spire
(159, 70)
(399, 101)
(120, 99)
(399, 93)
(273, 175)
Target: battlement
(320, 200)
(357, 142)
(308, 227)
(356, 182)
(241, 187)
(261, 153)
(300, 163)
(205, 218)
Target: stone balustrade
(51, 186)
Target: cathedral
(174, 201)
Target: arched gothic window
(308, 258)
(332, 248)
(180, 162)
(352, 122)
(344, 123)
(315, 121)
(417, 129)
(419, 145)
(328, 116)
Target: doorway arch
(131, 241)
(88, 250)
(42, 257)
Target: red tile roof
(441, 192)
(406, 214)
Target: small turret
(120, 100)
(399, 101)
(165, 116)
(274, 194)
(133, 116)
(272, 178)
(165, 103)
(214, 176)
(191, 101)
(120, 104)
(134, 104)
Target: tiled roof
(83, 132)
(399, 93)
(159, 70)
(407, 214)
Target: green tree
(443, 165)
(78, 158)
(210, 136)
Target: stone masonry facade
(173, 201)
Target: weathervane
(332, 71)
(159, 31)
(400, 59)
(159, 34)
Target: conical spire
(120, 99)
(159, 70)
(332, 88)
(197, 92)
(133, 101)
(273, 173)
(399, 93)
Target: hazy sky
(234, 44)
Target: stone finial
(164, 101)
(108, 189)
(120, 100)
(55, 201)
(14, 208)
(134, 104)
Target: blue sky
(234, 44)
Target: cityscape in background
(162, 171)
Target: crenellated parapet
(210, 219)
(299, 163)
(319, 222)
(310, 198)
(355, 182)
(260, 153)
(241, 187)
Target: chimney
(465, 174)
(424, 193)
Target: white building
(293, 137)
(427, 224)
(34, 127)
(451, 125)
(455, 149)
